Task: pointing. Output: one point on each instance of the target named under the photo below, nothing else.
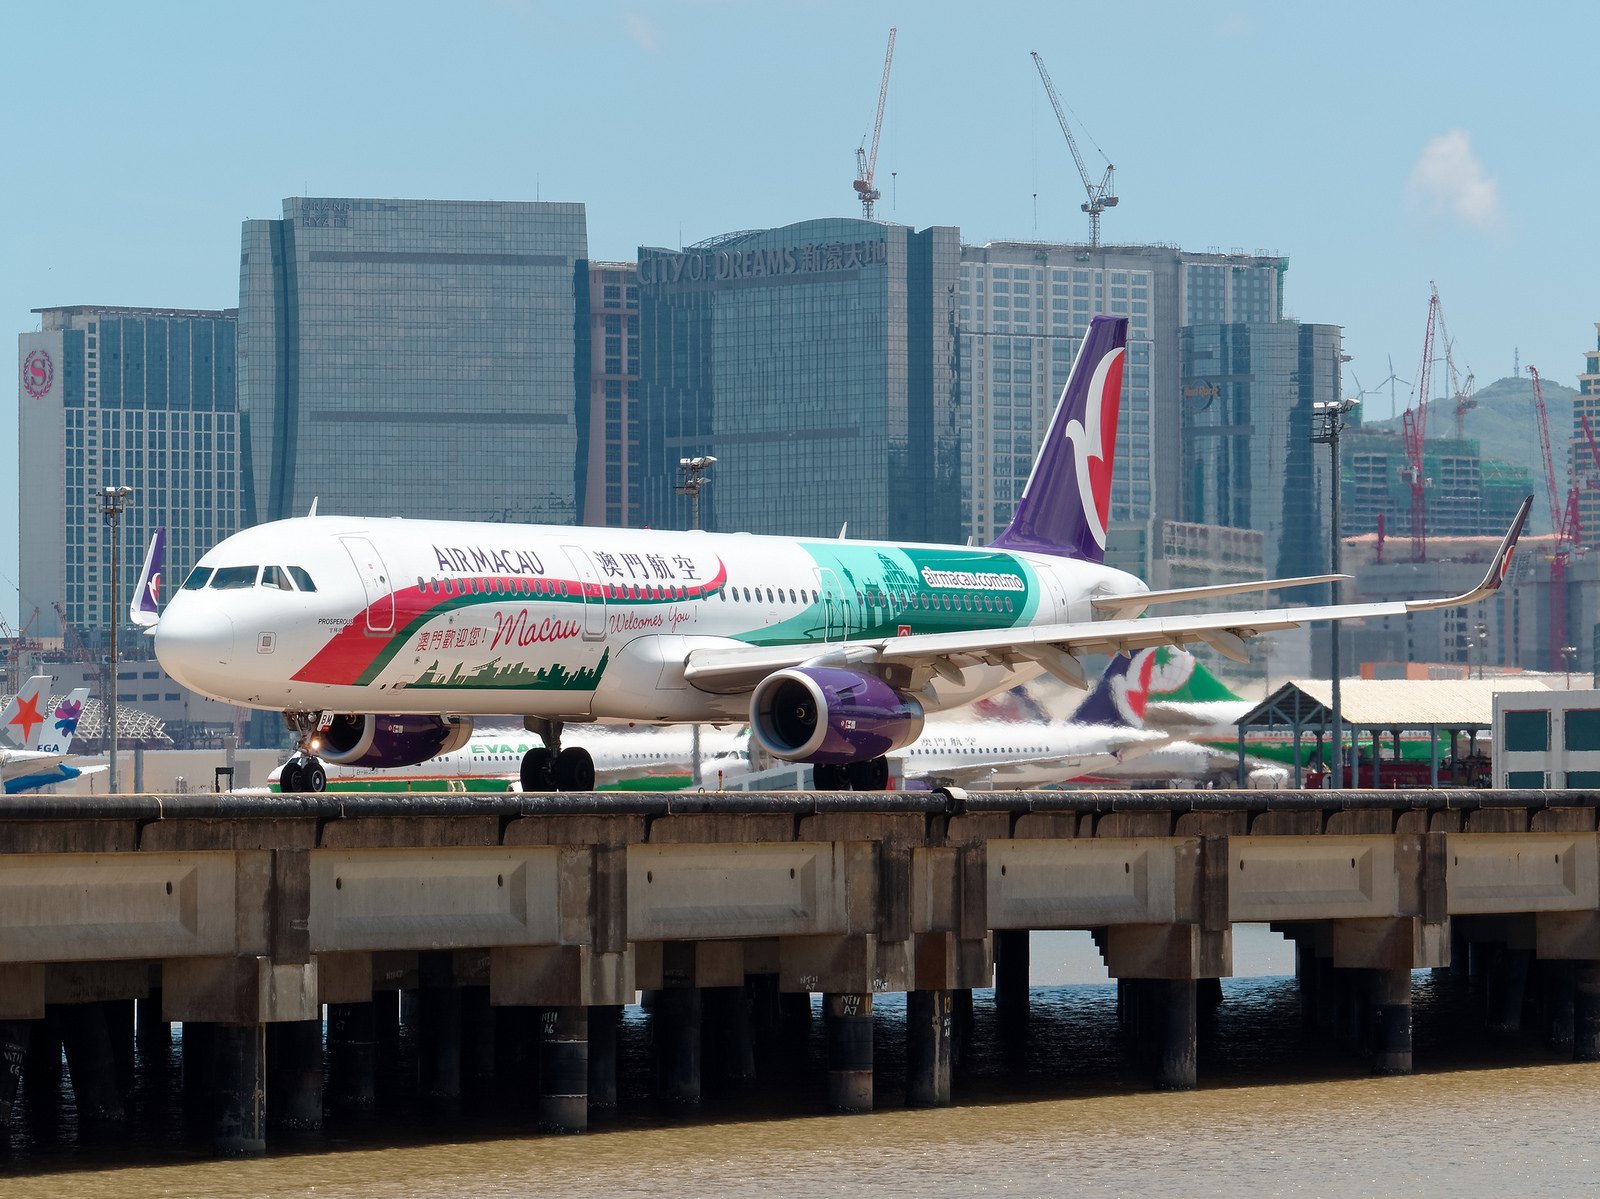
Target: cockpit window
(232, 578)
(197, 578)
(275, 576)
(301, 578)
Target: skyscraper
(611, 494)
(422, 358)
(818, 363)
(114, 396)
(1025, 306)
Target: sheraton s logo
(38, 372)
(1092, 446)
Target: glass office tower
(121, 397)
(422, 358)
(819, 363)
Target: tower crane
(1414, 427)
(1564, 522)
(867, 163)
(1101, 196)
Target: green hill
(1503, 425)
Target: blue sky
(1377, 145)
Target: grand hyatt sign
(722, 265)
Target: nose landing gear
(302, 772)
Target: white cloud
(1448, 183)
(642, 31)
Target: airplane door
(375, 581)
(833, 614)
(594, 593)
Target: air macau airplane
(381, 639)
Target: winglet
(1496, 575)
(144, 608)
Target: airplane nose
(195, 646)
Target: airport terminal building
(819, 363)
(419, 358)
(118, 396)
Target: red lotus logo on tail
(1093, 446)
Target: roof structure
(1433, 706)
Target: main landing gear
(553, 768)
(302, 772)
(871, 775)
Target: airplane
(383, 639)
(634, 759)
(39, 737)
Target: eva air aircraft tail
(382, 639)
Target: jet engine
(823, 714)
(388, 741)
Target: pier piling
(564, 1069)
(849, 1033)
(241, 1093)
(352, 1087)
(930, 1033)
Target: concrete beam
(1279, 878)
(22, 991)
(560, 976)
(102, 907)
(1167, 951)
(1524, 872)
(463, 897)
(94, 982)
(1567, 935)
(832, 964)
(705, 892)
(692, 963)
(344, 977)
(1390, 944)
(1081, 883)
(238, 990)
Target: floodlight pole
(693, 478)
(112, 502)
(1329, 415)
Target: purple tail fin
(1067, 502)
(144, 608)
(1119, 698)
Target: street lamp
(693, 478)
(1328, 416)
(1481, 637)
(112, 502)
(1568, 653)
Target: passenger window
(234, 578)
(197, 578)
(274, 576)
(301, 579)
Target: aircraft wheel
(290, 778)
(536, 771)
(871, 775)
(573, 770)
(825, 776)
(313, 777)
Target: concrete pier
(675, 1037)
(930, 1037)
(232, 915)
(849, 1047)
(13, 1052)
(241, 1092)
(564, 1069)
(92, 1065)
(352, 1057)
(294, 1075)
(1391, 1021)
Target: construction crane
(867, 163)
(1101, 197)
(1414, 427)
(1564, 522)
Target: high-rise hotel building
(421, 358)
(113, 396)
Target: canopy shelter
(1381, 706)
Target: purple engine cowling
(826, 715)
(354, 740)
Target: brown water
(1067, 1114)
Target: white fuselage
(436, 617)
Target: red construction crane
(1564, 522)
(1414, 424)
(866, 163)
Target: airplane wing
(19, 763)
(1057, 647)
